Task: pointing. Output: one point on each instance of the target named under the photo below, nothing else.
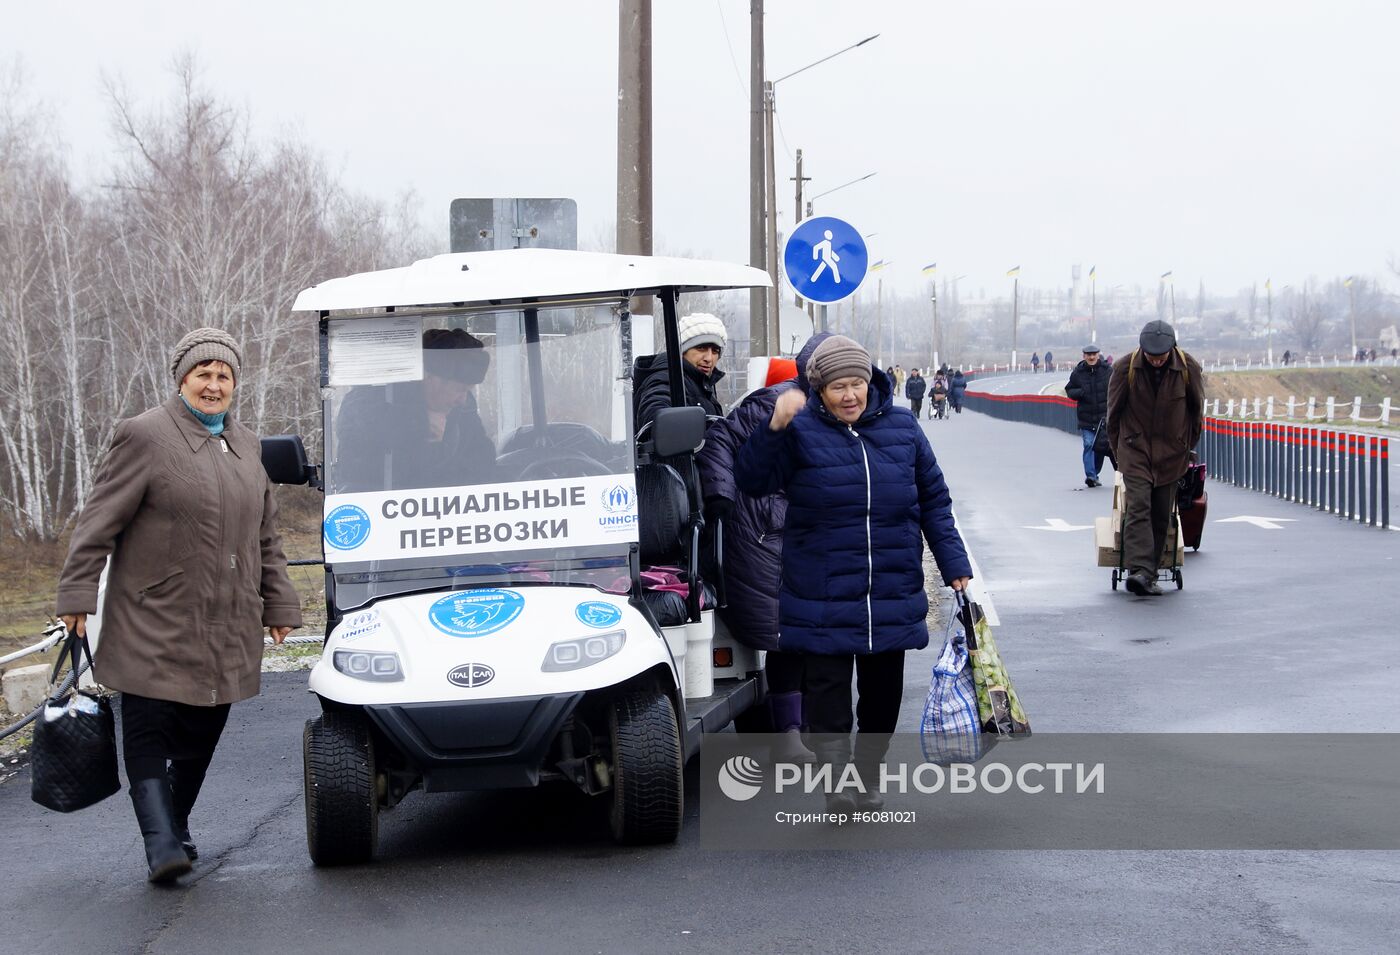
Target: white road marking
(1057, 524)
(1268, 523)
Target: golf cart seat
(666, 524)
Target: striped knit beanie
(837, 357)
(205, 344)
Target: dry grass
(29, 575)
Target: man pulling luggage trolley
(1155, 403)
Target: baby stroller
(938, 408)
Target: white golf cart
(491, 525)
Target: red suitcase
(1193, 521)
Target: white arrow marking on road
(1268, 523)
(1056, 524)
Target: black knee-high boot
(155, 814)
(186, 778)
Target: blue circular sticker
(346, 527)
(475, 613)
(595, 613)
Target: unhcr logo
(619, 498)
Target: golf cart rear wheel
(342, 803)
(647, 769)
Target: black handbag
(74, 753)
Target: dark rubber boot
(870, 751)
(835, 749)
(155, 814)
(186, 779)
(787, 723)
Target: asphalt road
(1253, 643)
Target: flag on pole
(1092, 269)
(930, 268)
(1166, 277)
(1269, 285)
(1346, 283)
(878, 266)
(1013, 271)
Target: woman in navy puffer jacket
(862, 486)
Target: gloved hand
(718, 508)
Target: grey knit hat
(205, 344)
(837, 357)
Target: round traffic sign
(825, 259)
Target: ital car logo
(471, 675)
(618, 499)
(346, 527)
(475, 613)
(740, 778)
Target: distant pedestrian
(957, 387)
(939, 409)
(1287, 357)
(1155, 404)
(914, 390)
(1088, 388)
(1049, 361)
(899, 378)
(1035, 362)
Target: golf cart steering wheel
(543, 464)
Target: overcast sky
(1225, 141)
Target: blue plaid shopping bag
(951, 731)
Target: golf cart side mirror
(678, 431)
(284, 459)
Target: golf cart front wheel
(342, 802)
(647, 769)
(1116, 577)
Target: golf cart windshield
(490, 445)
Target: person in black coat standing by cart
(1088, 388)
(914, 390)
(702, 339)
(753, 551)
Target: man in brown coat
(1155, 401)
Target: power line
(730, 46)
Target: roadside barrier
(1340, 472)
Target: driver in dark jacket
(864, 490)
(1088, 388)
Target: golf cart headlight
(365, 665)
(583, 652)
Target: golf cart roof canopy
(512, 276)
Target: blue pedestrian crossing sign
(825, 259)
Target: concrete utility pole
(1015, 316)
(758, 258)
(1269, 312)
(771, 212)
(1352, 292)
(634, 216)
(797, 215)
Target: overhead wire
(729, 45)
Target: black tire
(1176, 575)
(648, 784)
(1115, 580)
(342, 799)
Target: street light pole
(767, 106)
(1352, 292)
(771, 212)
(758, 314)
(1093, 308)
(1269, 313)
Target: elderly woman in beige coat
(182, 505)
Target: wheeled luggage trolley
(1108, 540)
